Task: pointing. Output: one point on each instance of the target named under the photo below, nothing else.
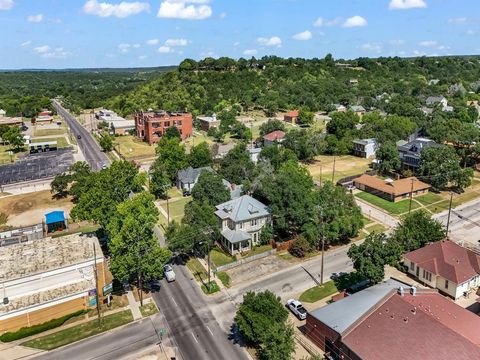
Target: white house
(254, 154)
(187, 178)
(365, 147)
(2, 113)
(446, 266)
(241, 221)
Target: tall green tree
(389, 158)
(236, 166)
(160, 181)
(305, 117)
(272, 125)
(277, 155)
(106, 142)
(171, 152)
(210, 189)
(136, 254)
(200, 156)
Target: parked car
(169, 273)
(186, 193)
(24, 127)
(79, 137)
(297, 308)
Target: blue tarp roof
(54, 216)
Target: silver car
(169, 273)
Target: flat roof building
(208, 122)
(48, 278)
(151, 126)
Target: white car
(169, 273)
(297, 308)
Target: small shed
(56, 221)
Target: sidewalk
(213, 277)
(134, 306)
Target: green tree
(172, 132)
(305, 117)
(14, 137)
(301, 142)
(210, 189)
(171, 153)
(73, 182)
(59, 185)
(262, 321)
(106, 142)
(277, 155)
(160, 181)
(389, 158)
(236, 166)
(271, 125)
(416, 230)
(200, 156)
(136, 255)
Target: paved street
(90, 149)
(191, 322)
(464, 222)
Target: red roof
(398, 329)
(293, 113)
(447, 259)
(274, 136)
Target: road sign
(107, 289)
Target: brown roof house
(446, 266)
(394, 321)
(391, 190)
(291, 117)
(274, 137)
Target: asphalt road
(191, 323)
(90, 149)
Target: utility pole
(411, 197)
(320, 174)
(96, 281)
(449, 211)
(333, 172)
(208, 261)
(322, 234)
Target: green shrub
(36, 329)
(3, 218)
(213, 288)
(224, 278)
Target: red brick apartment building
(150, 126)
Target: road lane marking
(194, 338)
(209, 330)
(173, 299)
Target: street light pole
(323, 243)
(449, 211)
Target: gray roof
(365, 141)
(243, 208)
(190, 175)
(340, 315)
(418, 145)
(357, 108)
(434, 99)
(235, 190)
(235, 236)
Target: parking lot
(36, 166)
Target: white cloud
(406, 4)
(428, 43)
(152, 42)
(471, 32)
(57, 53)
(319, 22)
(326, 22)
(459, 21)
(372, 47)
(185, 9)
(142, 57)
(355, 21)
(303, 36)
(124, 48)
(26, 44)
(121, 10)
(165, 49)
(273, 41)
(35, 18)
(396, 42)
(176, 42)
(250, 52)
(42, 49)
(6, 4)
(136, 46)
(222, 15)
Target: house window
(446, 284)
(253, 222)
(240, 225)
(427, 275)
(412, 266)
(166, 124)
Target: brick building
(151, 126)
(45, 279)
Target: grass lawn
(5, 157)
(224, 278)
(41, 131)
(61, 141)
(285, 255)
(132, 148)
(258, 250)
(148, 309)
(375, 228)
(319, 292)
(201, 276)
(86, 229)
(344, 166)
(220, 257)
(177, 209)
(366, 221)
(361, 235)
(79, 332)
(395, 208)
(428, 199)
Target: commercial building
(10, 121)
(241, 221)
(365, 148)
(44, 279)
(208, 122)
(122, 127)
(23, 234)
(391, 190)
(151, 126)
(394, 321)
(446, 266)
(43, 117)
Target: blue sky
(130, 33)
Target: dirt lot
(28, 209)
(344, 166)
(264, 266)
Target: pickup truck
(297, 308)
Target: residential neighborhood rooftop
(394, 187)
(243, 208)
(190, 175)
(276, 135)
(447, 259)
